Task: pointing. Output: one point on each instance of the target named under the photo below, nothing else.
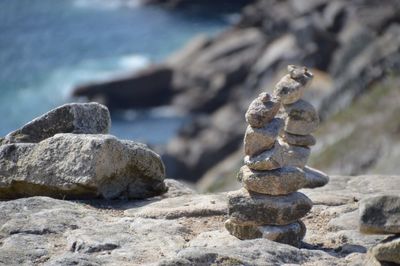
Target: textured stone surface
(46, 231)
(291, 155)
(267, 160)
(257, 140)
(77, 118)
(298, 140)
(291, 87)
(80, 166)
(380, 215)
(301, 118)
(250, 208)
(183, 206)
(288, 234)
(56, 232)
(262, 110)
(280, 181)
(315, 178)
(219, 248)
(388, 250)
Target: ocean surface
(49, 46)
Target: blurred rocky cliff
(353, 48)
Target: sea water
(49, 46)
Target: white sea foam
(106, 4)
(133, 62)
(62, 80)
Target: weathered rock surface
(315, 178)
(291, 87)
(250, 208)
(291, 155)
(77, 118)
(282, 154)
(301, 119)
(380, 215)
(98, 232)
(262, 110)
(146, 88)
(257, 140)
(267, 160)
(183, 206)
(298, 140)
(290, 234)
(388, 250)
(281, 181)
(80, 165)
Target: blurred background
(180, 74)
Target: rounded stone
(315, 178)
(267, 160)
(288, 90)
(300, 74)
(251, 208)
(291, 155)
(292, 86)
(262, 110)
(301, 118)
(281, 181)
(298, 140)
(290, 234)
(257, 140)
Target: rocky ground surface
(182, 227)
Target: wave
(106, 4)
(133, 62)
(23, 104)
(94, 71)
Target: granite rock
(77, 118)
(250, 208)
(291, 87)
(290, 234)
(262, 110)
(298, 140)
(267, 160)
(315, 178)
(257, 140)
(182, 206)
(380, 215)
(301, 118)
(281, 181)
(291, 155)
(80, 166)
(388, 250)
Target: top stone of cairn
(291, 87)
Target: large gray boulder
(380, 215)
(80, 166)
(78, 118)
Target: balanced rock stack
(276, 145)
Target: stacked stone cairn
(276, 146)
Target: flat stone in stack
(276, 146)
